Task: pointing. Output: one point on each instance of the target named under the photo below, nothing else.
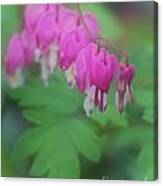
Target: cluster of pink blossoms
(56, 36)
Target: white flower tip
(119, 103)
(37, 55)
(53, 58)
(16, 80)
(88, 105)
(44, 70)
(70, 77)
(71, 84)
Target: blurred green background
(45, 132)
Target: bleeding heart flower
(45, 35)
(103, 69)
(82, 64)
(70, 45)
(29, 45)
(32, 15)
(71, 42)
(124, 95)
(45, 31)
(66, 21)
(95, 70)
(90, 21)
(15, 61)
(52, 35)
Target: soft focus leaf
(145, 164)
(126, 137)
(146, 100)
(44, 105)
(111, 117)
(56, 148)
(148, 115)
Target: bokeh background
(45, 132)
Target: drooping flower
(32, 15)
(29, 45)
(73, 41)
(103, 69)
(15, 60)
(66, 21)
(95, 70)
(45, 31)
(91, 25)
(124, 94)
(49, 27)
(55, 35)
(82, 64)
(45, 36)
(70, 45)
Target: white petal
(17, 79)
(37, 55)
(44, 70)
(117, 101)
(104, 101)
(91, 91)
(88, 105)
(53, 57)
(89, 100)
(127, 97)
(70, 76)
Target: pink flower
(29, 45)
(91, 23)
(82, 64)
(55, 35)
(32, 15)
(95, 70)
(15, 57)
(86, 31)
(45, 31)
(66, 21)
(70, 45)
(15, 61)
(103, 69)
(124, 93)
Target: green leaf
(55, 149)
(148, 115)
(146, 100)
(110, 117)
(145, 164)
(13, 124)
(121, 148)
(119, 119)
(101, 117)
(6, 168)
(126, 137)
(45, 105)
